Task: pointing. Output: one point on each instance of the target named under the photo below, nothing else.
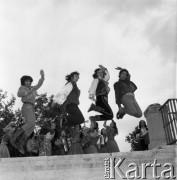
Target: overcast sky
(61, 36)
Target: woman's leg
(29, 114)
(131, 107)
(74, 116)
(107, 114)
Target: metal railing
(169, 116)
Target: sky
(62, 36)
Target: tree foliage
(43, 111)
(131, 138)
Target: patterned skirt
(46, 148)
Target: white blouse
(93, 87)
(63, 93)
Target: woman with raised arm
(99, 89)
(111, 132)
(68, 98)
(27, 94)
(124, 94)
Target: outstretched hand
(102, 67)
(118, 68)
(42, 72)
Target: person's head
(113, 125)
(26, 81)
(78, 127)
(74, 76)
(94, 125)
(124, 75)
(142, 123)
(98, 73)
(103, 131)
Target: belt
(28, 103)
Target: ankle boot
(95, 108)
(94, 118)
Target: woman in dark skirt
(112, 131)
(68, 98)
(76, 147)
(99, 89)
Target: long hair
(128, 74)
(115, 126)
(95, 126)
(25, 78)
(95, 73)
(69, 76)
(144, 124)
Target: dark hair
(68, 77)
(144, 124)
(95, 125)
(26, 78)
(102, 131)
(115, 126)
(95, 73)
(125, 70)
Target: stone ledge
(81, 167)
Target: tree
(43, 111)
(131, 138)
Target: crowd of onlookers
(51, 140)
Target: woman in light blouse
(99, 89)
(27, 94)
(68, 98)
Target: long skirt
(76, 148)
(75, 116)
(112, 146)
(92, 149)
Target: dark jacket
(123, 87)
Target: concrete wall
(155, 126)
(86, 167)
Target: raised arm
(107, 75)
(40, 82)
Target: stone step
(87, 166)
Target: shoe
(95, 108)
(120, 115)
(92, 106)
(94, 118)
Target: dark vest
(73, 97)
(102, 87)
